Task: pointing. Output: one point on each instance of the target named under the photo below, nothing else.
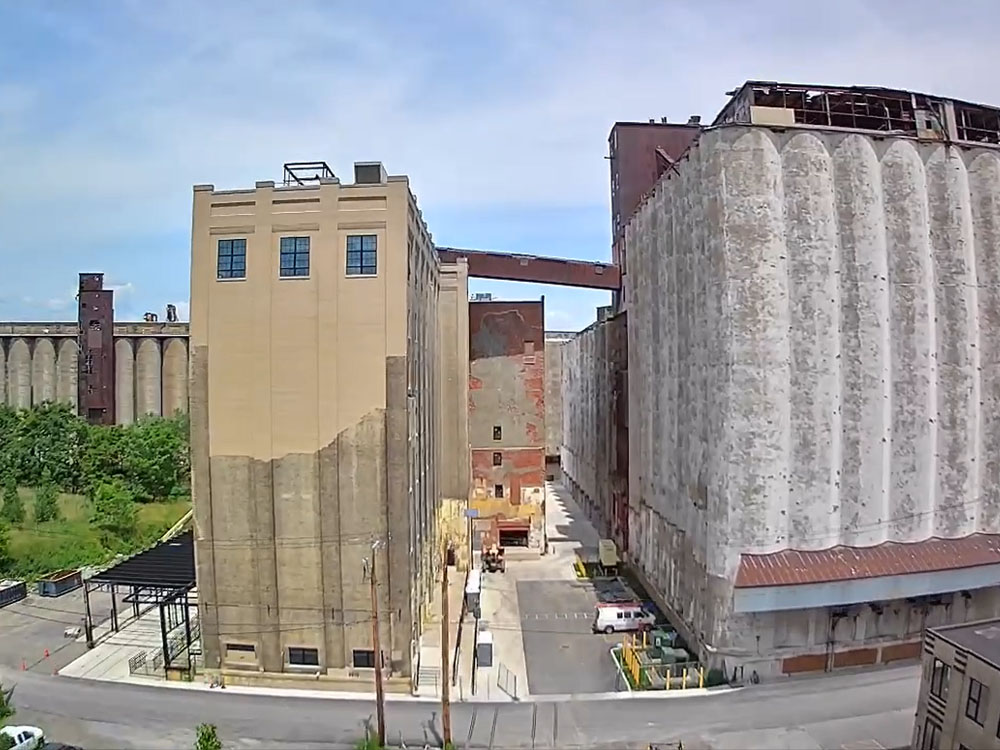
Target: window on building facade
(497, 432)
(975, 703)
(364, 658)
(240, 648)
(294, 258)
(232, 259)
(498, 458)
(497, 490)
(362, 255)
(932, 736)
(940, 677)
(303, 656)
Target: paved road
(828, 711)
(562, 653)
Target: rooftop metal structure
(306, 173)
(868, 108)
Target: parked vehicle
(622, 617)
(24, 738)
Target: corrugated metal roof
(793, 567)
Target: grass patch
(71, 542)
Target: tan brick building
(315, 420)
(958, 707)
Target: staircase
(429, 681)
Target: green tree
(155, 457)
(103, 457)
(6, 712)
(6, 564)
(114, 513)
(47, 503)
(13, 506)
(49, 439)
(208, 738)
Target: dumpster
(484, 649)
(12, 591)
(59, 583)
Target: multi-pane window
(932, 736)
(497, 432)
(497, 458)
(498, 490)
(363, 658)
(362, 255)
(232, 262)
(975, 704)
(294, 256)
(940, 677)
(303, 656)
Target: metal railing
(507, 681)
(644, 671)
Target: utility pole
(379, 695)
(445, 672)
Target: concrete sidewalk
(429, 676)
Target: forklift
(492, 554)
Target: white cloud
(481, 103)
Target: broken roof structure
(890, 111)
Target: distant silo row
(40, 362)
(151, 377)
(34, 369)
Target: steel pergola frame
(161, 576)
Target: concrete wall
(453, 311)
(40, 362)
(595, 433)
(812, 356)
(313, 424)
(554, 342)
(507, 393)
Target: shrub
(114, 513)
(13, 506)
(47, 503)
(208, 738)
(6, 563)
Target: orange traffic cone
(46, 653)
(24, 665)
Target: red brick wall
(507, 390)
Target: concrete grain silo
(43, 371)
(148, 378)
(175, 376)
(124, 381)
(814, 399)
(67, 362)
(19, 374)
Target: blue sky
(498, 111)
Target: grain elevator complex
(787, 419)
(809, 310)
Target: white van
(622, 616)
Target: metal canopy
(168, 565)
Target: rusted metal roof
(792, 567)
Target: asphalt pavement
(829, 711)
(561, 651)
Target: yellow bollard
(670, 674)
(701, 677)
(644, 639)
(684, 681)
